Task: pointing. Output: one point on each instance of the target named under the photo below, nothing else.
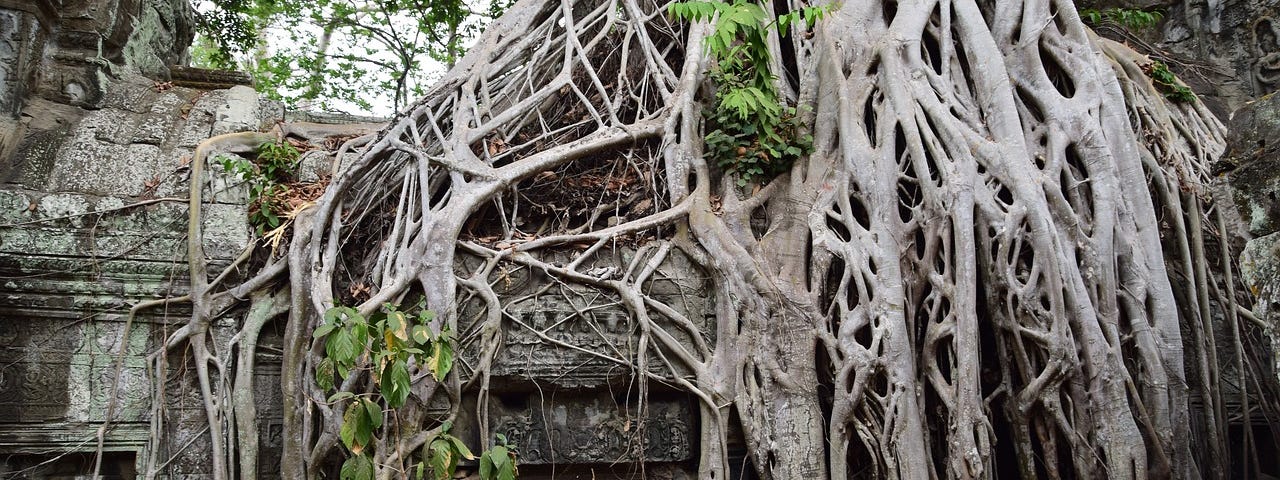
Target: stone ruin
(73, 260)
(93, 149)
(87, 129)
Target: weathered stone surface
(1253, 163)
(238, 112)
(595, 428)
(1260, 271)
(1226, 50)
(79, 46)
(591, 320)
(75, 256)
(20, 34)
(565, 407)
(1225, 46)
(1252, 166)
(207, 79)
(315, 164)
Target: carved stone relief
(596, 429)
(588, 318)
(1266, 48)
(1226, 50)
(562, 406)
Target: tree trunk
(978, 271)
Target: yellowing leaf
(421, 334)
(397, 324)
(441, 360)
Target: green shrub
(752, 134)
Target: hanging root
(985, 268)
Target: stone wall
(569, 410)
(66, 51)
(72, 258)
(93, 177)
(1228, 51)
(1252, 172)
(93, 220)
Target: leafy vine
(1130, 18)
(752, 133)
(1168, 83)
(388, 341)
(267, 177)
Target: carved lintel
(596, 429)
(207, 79)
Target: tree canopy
(325, 54)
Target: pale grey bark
(974, 246)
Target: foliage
(441, 455)
(1168, 83)
(499, 462)
(227, 29)
(752, 134)
(325, 53)
(267, 177)
(1130, 18)
(390, 338)
(387, 342)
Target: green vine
(1130, 18)
(499, 462)
(753, 135)
(267, 177)
(389, 340)
(1168, 83)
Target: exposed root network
(1001, 251)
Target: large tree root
(999, 253)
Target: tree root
(999, 240)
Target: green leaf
(374, 411)
(363, 428)
(395, 383)
(486, 467)
(426, 316)
(347, 433)
(338, 315)
(340, 347)
(340, 396)
(397, 324)
(499, 455)
(357, 467)
(360, 333)
(500, 462)
(442, 459)
(811, 16)
(460, 448)
(441, 360)
(322, 330)
(421, 334)
(324, 374)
